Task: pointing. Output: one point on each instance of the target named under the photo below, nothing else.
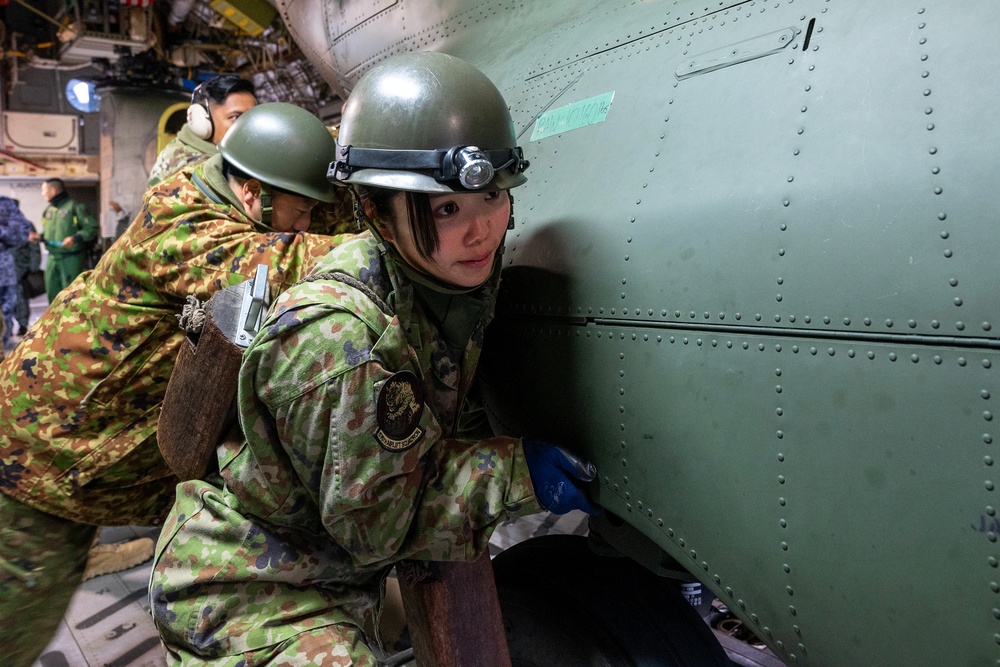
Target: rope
(192, 317)
(348, 279)
(412, 572)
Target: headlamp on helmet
(472, 167)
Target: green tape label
(573, 116)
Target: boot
(108, 558)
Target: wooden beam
(453, 613)
(7, 155)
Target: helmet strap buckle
(266, 204)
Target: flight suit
(184, 151)
(80, 396)
(64, 217)
(363, 447)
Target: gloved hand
(557, 491)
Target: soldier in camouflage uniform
(215, 106)
(81, 395)
(26, 258)
(14, 232)
(365, 442)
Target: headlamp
(471, 166)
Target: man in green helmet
(80, 397)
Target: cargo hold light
(82, 96)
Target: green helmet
(427, 122)
(283, 146)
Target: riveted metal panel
(761, 296)
(346, 39)
(821, 489)
(833, 189)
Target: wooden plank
(453, 613)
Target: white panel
(40, 134)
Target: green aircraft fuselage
(754, 280)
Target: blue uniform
(14, 230)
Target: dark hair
(419, 215)
(217, 89)
(230, 169)
(57, 183)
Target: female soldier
(362, 447)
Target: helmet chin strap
(266, 207)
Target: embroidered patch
(397, 412)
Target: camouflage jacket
(64, 217)
(363, 448)
(80, 396)
(14, 229)
(184, 151)
(27, 258)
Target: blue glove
(557, 491)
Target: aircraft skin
(754, 280)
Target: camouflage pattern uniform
(64, 217)
(336, 217)
(26, 258)
(80, 396)
(287, 559)
(14, 229)
(184, 151)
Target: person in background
(215, 106)
(365, 440)
(27, 258)
(80, 396)
(67, 232)
(14, 232)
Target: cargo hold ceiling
(163, 44)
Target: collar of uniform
(455, 311)
(59, 199)
(186, 136)
(209, 179)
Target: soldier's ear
(249, 192)
(371, 212)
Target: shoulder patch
(398, 409)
